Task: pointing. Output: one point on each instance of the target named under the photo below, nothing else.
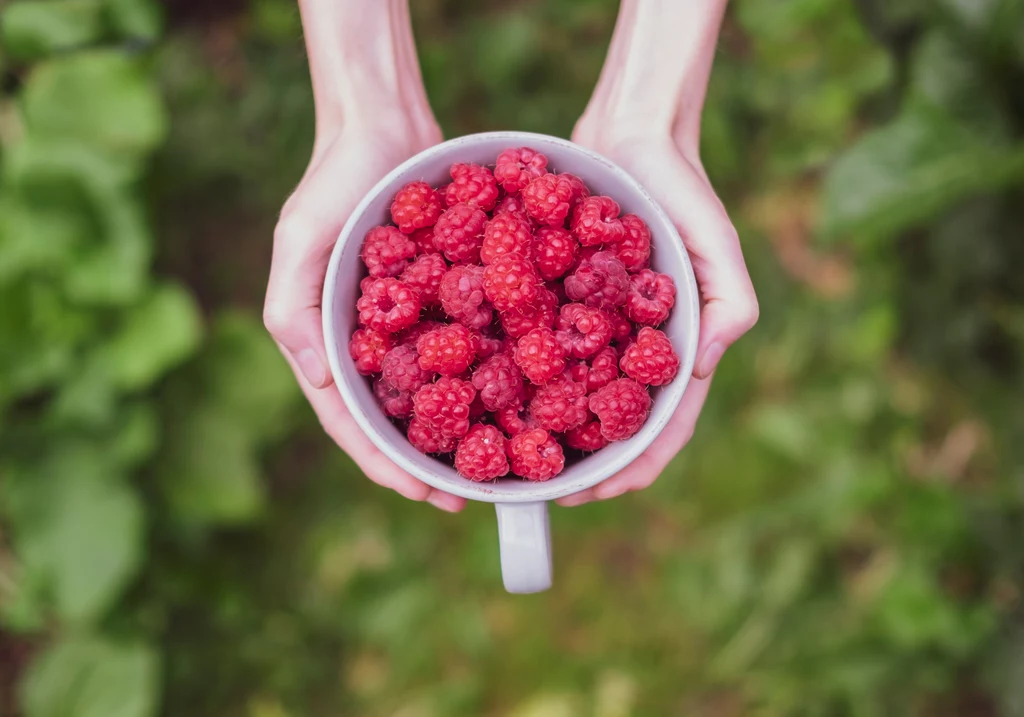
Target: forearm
(656, 73)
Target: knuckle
(276, 317)
(290, 228)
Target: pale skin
(372, 113)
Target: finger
(581, 498)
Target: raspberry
(650, 298)
(505, 234)
(582, 331)
(600, 281)
(472, 184)
(579, 189)
(515, 419)
(488, 346)
(510, 282)
(599, 371)
(540, 356)
(554, 251)
(535, 455)
(516, 167)
(548, 198)
(367, 349)
(512, 204)
(462, 295)
(443, 406)
(448, 350)
(424, 241)
(394, 402)
(498, 382)
(401, 369)
(459, 233)
(413, 333)
(634, 250)
(476, 409)
(621, 327)
(621, 407)
(387, 251)
(481, 454)
(426, 440)
(650, 360)
(541, 314)
(560, 405)
(387, 305)
(595, 221)
(424, 276)
(416, 206)
(587, 436)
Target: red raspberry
(635, 247)
(516, 167)
(595, 220)
(515, 419)
(460, 232)
(582, 331)
(535, 455)
(622, 408)
(512, 204)
(541, 314)
(472, 184)
(413, 333)
(476, 409)
(394, 402)
(554, 251)
(540, 356)
(600, 281)
(650, 298)
(560, 405)
(443, 406)
(499, 382)
(488, 346)
(481, 454)
(505, 234)
(424, 276)
(401, 369)
(426, 440)
(387, 305)
(621, 327)
(448, 350)
(650, 360)
(387, 251)
(462, 296)
(424, 241)
(367, 349)
(417, 205)
(586, 437)
(579, 189)
(599, 371)
(510, 282)
(549, 198)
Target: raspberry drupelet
(516, 168)
(459, 233)
(416, 206)
(448, 350)
(535, 455)
(481, 454)
(387, 251)
(472, 184)
(622, 407)
(443, 406)
(387, 305)
(367, 348)
(650, 359)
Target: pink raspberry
(448, 350)
(387, 305)
(579, 189)
(621, 326)
(599, 371)
(560, 405)
(462, 296)
(424, 276)
(621, 407)
(394, 402)
(412, 334)
(424, 241)
(549, 198)
(443, 406)
(587, 436)
(401, 369)
(472, 184)
(635, 248)
(515, 168)
(650, 359)
(367, 349)
(650, 298)
(600, 281)
(426, 440)
(515, 419)
(554, 251)
(459, 232)
(387, 251)
(476, 409)
(416, 206)
(505, 234)
(488, 345)
(582, 331)
(481, 455)
(539, 356)
(512, 204)
(499, 382)
(540, 314)
(595, 221)
(510, 282)
(535, 455)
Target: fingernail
(712, 355)
(444, 501)
(312, 368)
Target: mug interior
(341, 290)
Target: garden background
(844, 535)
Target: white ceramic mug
(523, 524)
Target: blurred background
(844, 535)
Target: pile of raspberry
(509, 318)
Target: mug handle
(524, 536)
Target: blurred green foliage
(842, 536)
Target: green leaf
(139, 19)
(92, 677)
(33, 29)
